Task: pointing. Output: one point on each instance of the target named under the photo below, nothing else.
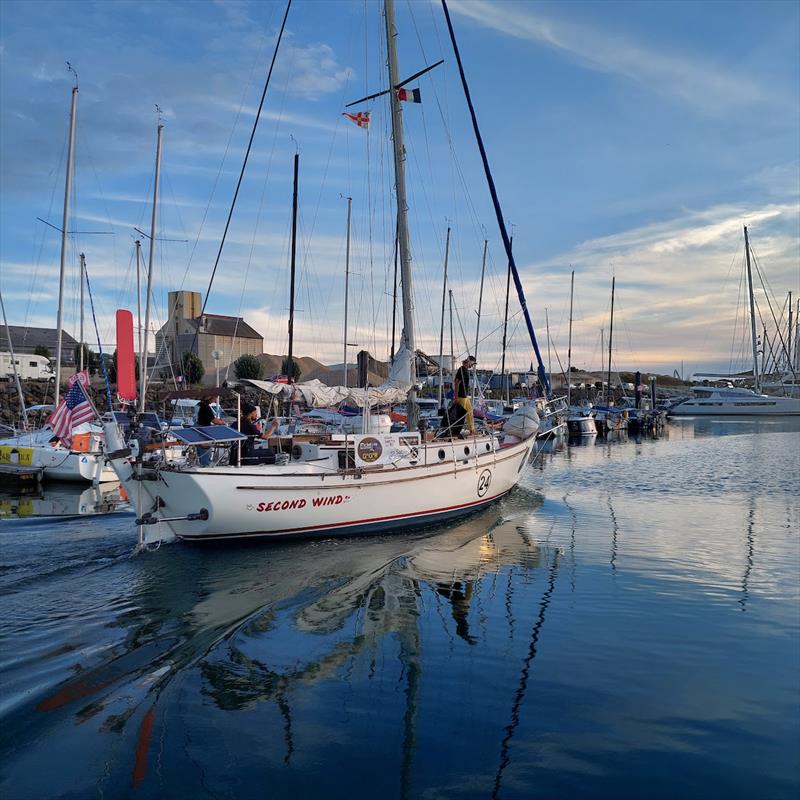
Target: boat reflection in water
(275, 627)
(66, 500)
(697, 427)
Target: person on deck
(461, 390)
(205, 416)
(250, 429)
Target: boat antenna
(496, 202)
(241, 174)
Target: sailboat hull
(295, 501)
(35, 452)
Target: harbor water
(625, 624)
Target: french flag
(409, 95)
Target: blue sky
(632, 139)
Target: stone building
(26, 339)
(203, 334)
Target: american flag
(73, 410)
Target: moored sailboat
(78, 455)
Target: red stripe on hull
(352, 523)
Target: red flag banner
(361, 119)
(409, 95)
(73, 410)
(126, 371)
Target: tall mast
(441, 326)
(610, 337)
(346, 288)
(789, 337)
(505, 322)
(480, 299)
(83, 272)
(404, 243)
(569, 345)
(478, 323)
(452, 346)
(14, 365)
(289, 360)
(64, 226)
(756, 377)
(148, 286)
(138, 246)
(549, 357)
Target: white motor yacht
(734, 401)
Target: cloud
(313, 69)
(700, 83)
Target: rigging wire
(241, 173)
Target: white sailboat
(739, 401)
(83, 460)
(343, 484)
(580, 419)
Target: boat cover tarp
(317, 395)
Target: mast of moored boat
(452, 346)
(83, 272)
(138, 248)
(404, 242)
(14, 365)
(789, 337)
(289, 358)
(149, 284)
(480, 299)
(504, 383)
(569, 340)
(441, 326)
(610, 337)
(478, 323)
(346, 288)
(64, 225)
(756, 377)
(549, 357)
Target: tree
(248, 366)
(193, 369)
(296, 371)
(41, 350)
(91, 360)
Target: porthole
(441, 455)
(466, 451)
(488, 447)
